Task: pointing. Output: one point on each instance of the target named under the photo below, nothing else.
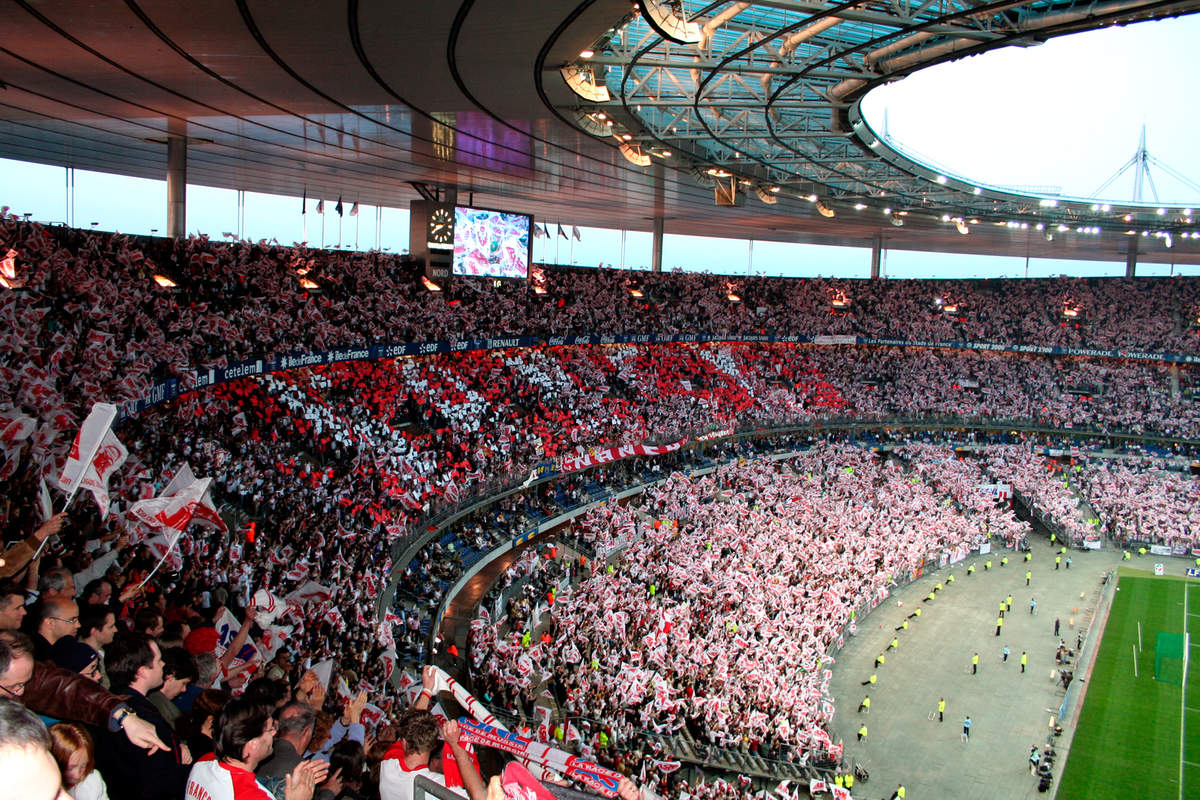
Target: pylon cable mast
(1140, 162)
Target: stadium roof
(369, 99)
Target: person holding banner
(409, 758)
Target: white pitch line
(1183, 692)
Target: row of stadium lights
(961, 222)
(766, 193)
(840, 302)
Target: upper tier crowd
(341, 467)
(92, 293)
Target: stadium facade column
(1131, 254)
(876, 254)
(176, 186)
(656, 245)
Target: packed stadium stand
(351, 494)
(291, 522)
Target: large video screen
(491, 243)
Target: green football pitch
(1138, 736)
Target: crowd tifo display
(324, 474)
(757, 585)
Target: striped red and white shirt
(213, 780)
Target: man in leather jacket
(62, 694)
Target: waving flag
(372, 715)
(408, 686)
(15, 428)
(8, 266)
(388, 659)
(272, 639)
(205, 513)
(282, 555)
(334, 618)
(298, 571)
(94, 457)
(310, 592)
(171, 513)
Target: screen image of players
(491, 243)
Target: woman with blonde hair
(76, 756)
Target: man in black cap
(70, 653)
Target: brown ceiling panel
(361, 97)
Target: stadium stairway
(682, 747)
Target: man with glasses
(62, 694)
(59, 618)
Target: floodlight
(661, 17)
(582, 81)
(633, 154)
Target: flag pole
(84, 465)
(42, 546)
(170, 546)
